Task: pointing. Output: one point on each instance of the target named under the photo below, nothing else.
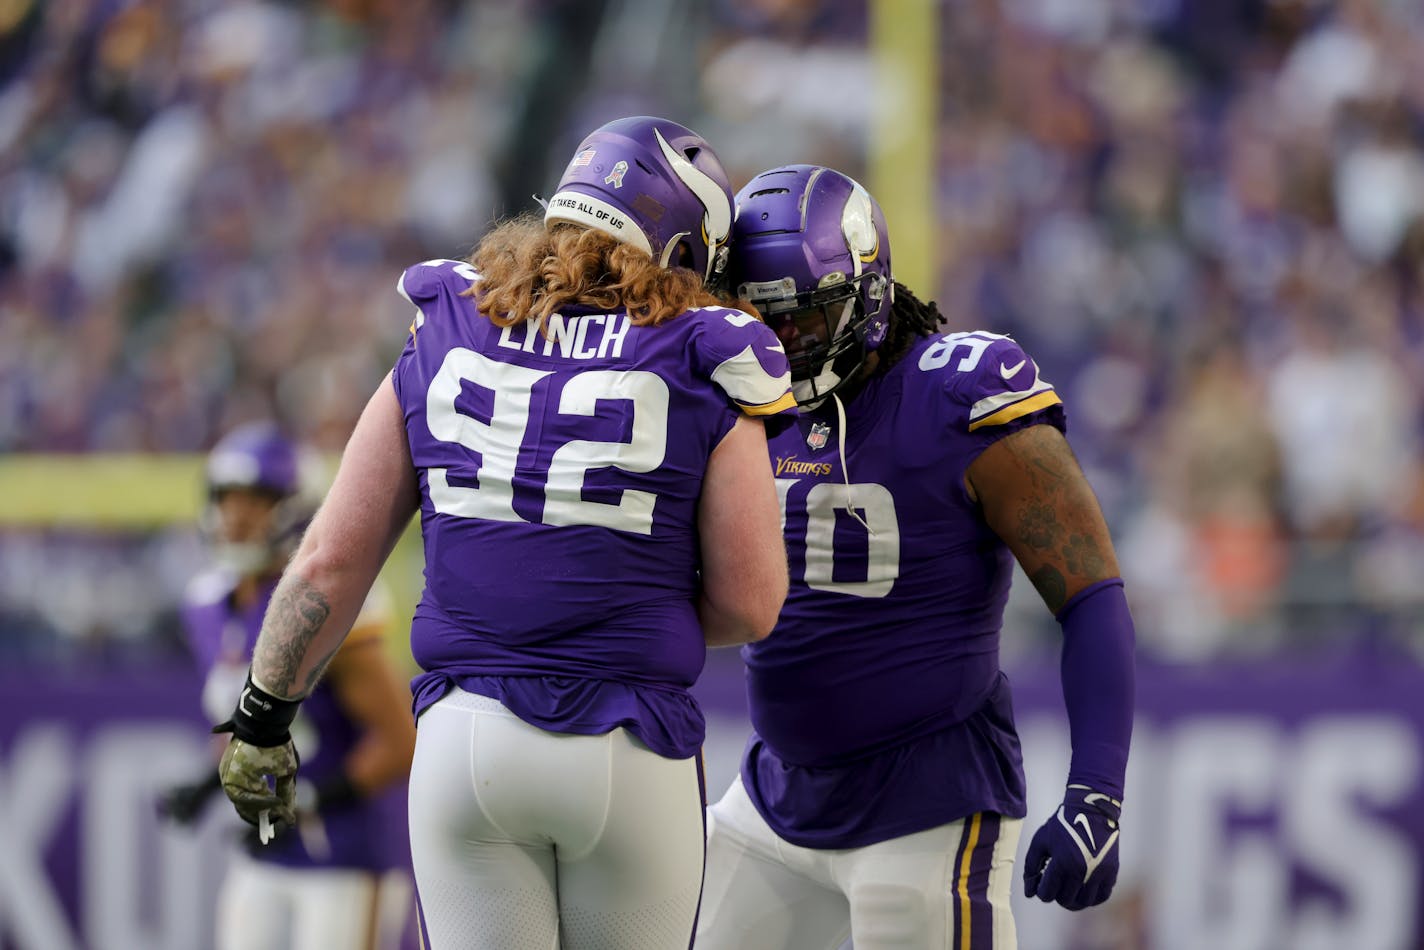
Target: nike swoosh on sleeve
(1009, 372)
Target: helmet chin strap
(813, 388)
(834, 375)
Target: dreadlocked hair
(910, 319)
(528, 272)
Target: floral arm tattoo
(295, 616)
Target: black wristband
(260, 718)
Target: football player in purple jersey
(343, 880)
(882, 791)
(583, 429)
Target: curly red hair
(528, 272)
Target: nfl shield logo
(819, 433)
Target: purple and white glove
(1073, 858)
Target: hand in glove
(261, 746)
(1073, 858)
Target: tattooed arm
(321, 591)
(312, 609)
(1036, 498)
(1038, 501)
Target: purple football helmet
(256, 457)
(811, 250)
(653, 184)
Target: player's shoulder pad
(743, 358)
(989, 374)
(209, 587)
(425, 282)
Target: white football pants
(271, 906)
(946, 888)
(530, 840)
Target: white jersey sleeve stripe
(992, 404)
(744, 379)
(1021, 408)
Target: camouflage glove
(261, 746)
(244, 770)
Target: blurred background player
(882, 791)
(342, 880)
(580, 425)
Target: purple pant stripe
(981, 915)
(424, 934)
(702, 796)
(954, 868)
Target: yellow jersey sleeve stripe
(1010, 413)
(787, 401)
(966, 939)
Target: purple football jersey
(367, 834)
(877, 702)
(560, 468)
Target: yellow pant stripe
(963, 887)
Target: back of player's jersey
(560, 467)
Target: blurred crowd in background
(1203, 218)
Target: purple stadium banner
(1268, 807)
(87, 864)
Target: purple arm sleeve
(1098, 684)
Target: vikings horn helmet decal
(858, 226)
(672, 191)
(717, 216)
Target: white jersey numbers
(827, 507)
(940, 352)
(498, 441)
(563, 492)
